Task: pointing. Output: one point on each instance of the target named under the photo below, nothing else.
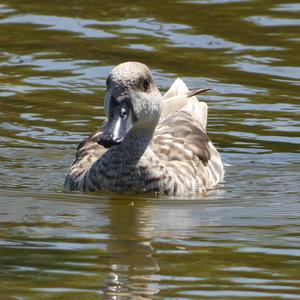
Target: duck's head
(132, 102)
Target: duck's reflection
(131, 254)
(139, 232)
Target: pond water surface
(240, 241)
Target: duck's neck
(133, 147)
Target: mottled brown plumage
(164, 149)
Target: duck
(148, 142)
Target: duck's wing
(88, 151)
(180, 139)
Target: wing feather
(180, 137)
(88, 151)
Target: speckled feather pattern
(178, 159)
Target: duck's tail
(179, 97)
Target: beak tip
(108, 141)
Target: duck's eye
(123, 113)
(146, 84)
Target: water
(240, 241)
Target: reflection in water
(118, 248)
(238, 242)
(131, 261)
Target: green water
(240, 241)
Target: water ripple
(79, 26)
(273, 22)
(240, 240)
